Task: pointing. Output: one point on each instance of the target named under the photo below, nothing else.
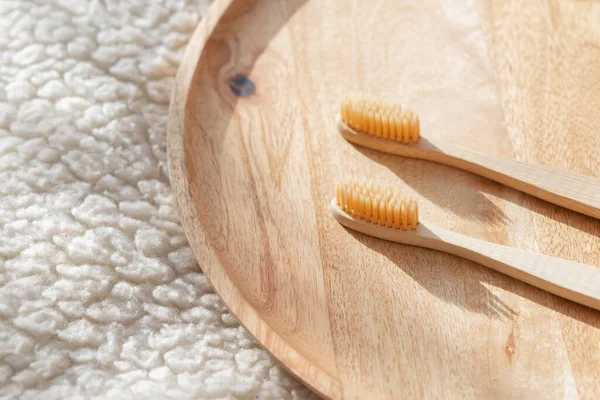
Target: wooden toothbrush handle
(575, 192)
(573, 281)
(568, 279)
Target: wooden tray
(254, 155)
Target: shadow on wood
(472, 205)
(473, 288)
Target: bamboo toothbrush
(371, 209)
(388, 127)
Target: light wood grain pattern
(575, 192)
(574, 281)
(354, 316)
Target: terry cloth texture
(100, 295)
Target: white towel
(100, 295)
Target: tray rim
(318, 380)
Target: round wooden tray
(254, 155)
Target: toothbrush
(377, 211)
(388, 127)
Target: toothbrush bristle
(373, 203)
(380, 118)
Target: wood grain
(254, 154)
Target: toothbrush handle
(567, 189)
(575, 192)
(568, 279)
(571, 280)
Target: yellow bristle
(361, 207)
(392, 129)
(374, 210)
(347, 205)
(380, 118)
(358, 118)
(414, 215)
(371, 121)
(373, 203)
(368, 209)
(385, 127)
(389, 217)
(405, 131)
(415, 128)
(397, 220)
(381, 220)
(403, 217)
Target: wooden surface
(254, 162)
(573, 191)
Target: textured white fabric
(100, 296)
